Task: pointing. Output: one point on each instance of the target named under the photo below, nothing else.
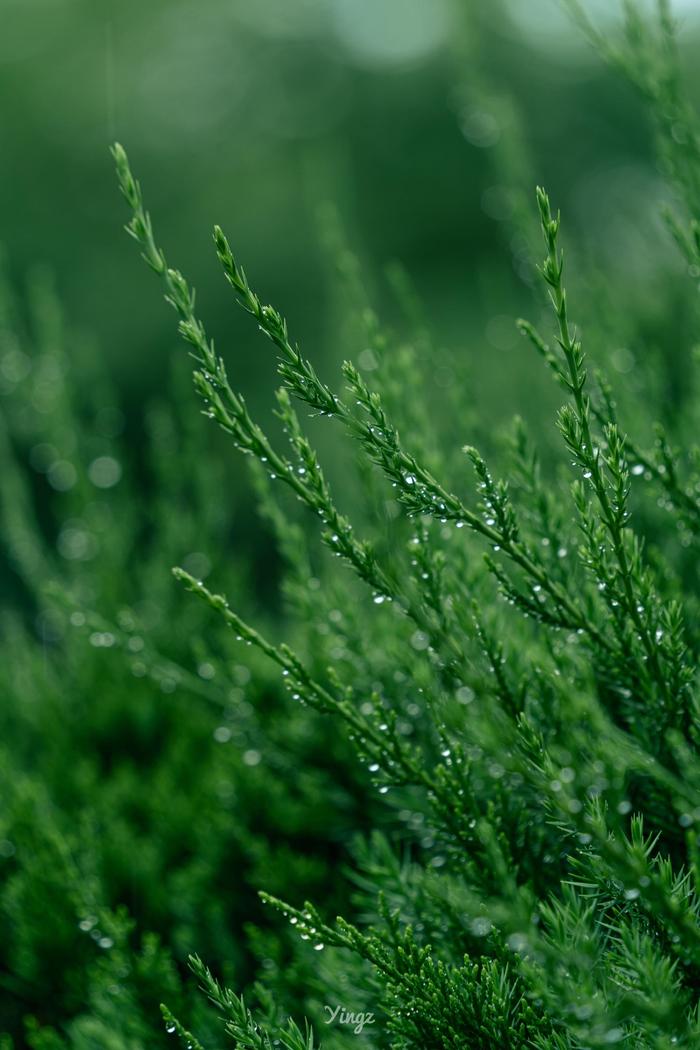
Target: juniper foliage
(113, 680)
(548, 743)
(489, 674)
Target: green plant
(550, 748)
(102, 883)
(478, 739)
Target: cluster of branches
(560, 778)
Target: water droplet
(104, 472)
(517, 942)
(480, 926)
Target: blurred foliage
(132, 769)
(418, 125)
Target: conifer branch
(607, 472)
(239, 1020)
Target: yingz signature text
(342, 1016)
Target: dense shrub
(488, 678)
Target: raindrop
(480, 926)
(517, 942)
(62, 475)
(104, 472)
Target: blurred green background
(419, 121)
(145, 761)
